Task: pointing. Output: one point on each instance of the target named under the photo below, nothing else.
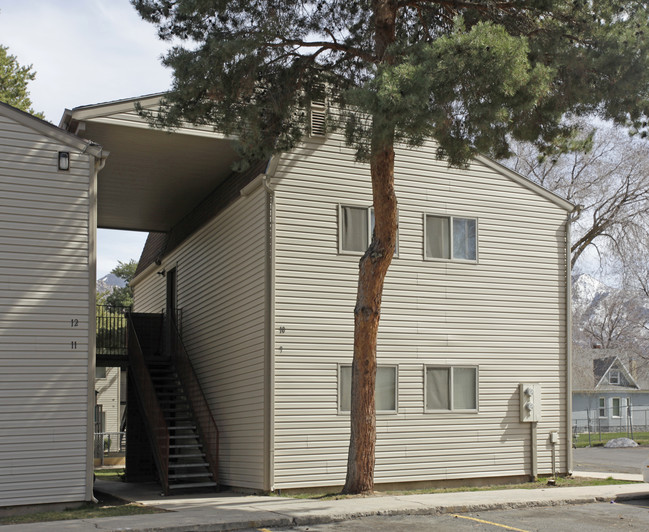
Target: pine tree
(13, 82)
(470, 74)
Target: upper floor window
(355, 223)
(614, 376)
(450, 237)
(356, 227)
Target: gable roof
(590, 367)
(49, 130)
(525, 182)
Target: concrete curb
(227, 512)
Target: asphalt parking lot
(626, 460)
(596, 517)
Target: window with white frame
(385, 392)
(614, 376)
(450, 237)
(451, 388)
(355, 225)
(602, 407)
(356, 228)
(615, 407)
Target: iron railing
(111, 330)
(203, 416)
(153, 416)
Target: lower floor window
(615, 407)
(602, 407)
(451, 388)
(385, 392)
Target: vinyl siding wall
(108, 396)
(221, 278)
(44, 284)
(505, 314)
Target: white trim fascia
(568, 335)
(534, 187)
(50, 130)
(269, 340)
(94, 168)
(84, 112)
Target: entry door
(172, 294)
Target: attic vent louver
(318, 118)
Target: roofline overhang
(518, 178)
(52, 131)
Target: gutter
(569, 463)
(269, 354)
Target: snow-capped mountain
(586, 291)
(109, 282)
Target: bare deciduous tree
(609, 181)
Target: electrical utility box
(530, 395)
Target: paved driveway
(626, 460)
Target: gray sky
(85, 52)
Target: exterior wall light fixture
(64, 160)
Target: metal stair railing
(203, 416)
(153, 415)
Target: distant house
(610, 389)
(263, 265)
(47, 336)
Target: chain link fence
(619, 420)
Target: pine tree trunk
(373, 268)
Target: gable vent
(318, 118)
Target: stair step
(188, 465)
(185, 446)
(209, 484)
(186, 455)
(206, 474)
(183, 437)
(183, 427)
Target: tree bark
(372, 270)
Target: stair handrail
(153, 416)
(206, 425)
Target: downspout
(569, 344)
(95, 165)
(269, 358)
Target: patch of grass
(542, 482)
(641, 438)
(113, 474)
(107, 506)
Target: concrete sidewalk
(228, 511)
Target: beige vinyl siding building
(108, 388)
(47, 344)
(221, 276)
(267, 293)
(503, 314)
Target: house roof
(591, 366)
(50, 130)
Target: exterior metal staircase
(188, 467)
(181, 430)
